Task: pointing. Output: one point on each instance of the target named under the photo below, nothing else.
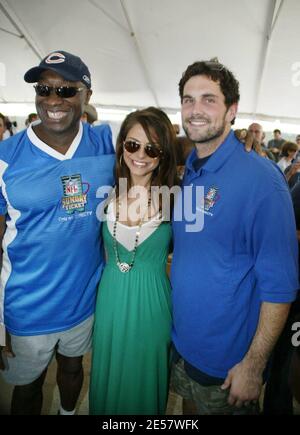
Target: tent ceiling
(137, 49)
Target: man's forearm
(271, 323)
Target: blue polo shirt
(245, 254)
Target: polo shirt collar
(218, 158)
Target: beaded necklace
(123, 266)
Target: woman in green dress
(130, 363)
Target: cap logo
(86, 79)
(55, 58)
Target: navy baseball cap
(69, 66)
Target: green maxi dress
(130, 362)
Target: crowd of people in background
(7, 127)
(284, 152)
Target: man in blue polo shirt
(234, 280)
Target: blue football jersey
(52, 255)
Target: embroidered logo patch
(211, 198)
(209, 201)
(74, 198)
(55, 58)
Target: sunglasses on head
(152, 150)
(61, 91)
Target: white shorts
(34, 353)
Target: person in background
(176, 128)
(2, 126)
(292, 172)
(243, 134)
(288, 154)
(279, 392)
(11, 127)
(90, 114)
(256, 129)
(294, 378)
(275, 145)
(32, 117)
(52, 253)
(240, 273)
(183, 147)
(286, 379)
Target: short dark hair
(288, 147)
(277, 131)
(216, 72)
(31, 117)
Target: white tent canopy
(137, 49)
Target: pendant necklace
(122, 265)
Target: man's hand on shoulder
(292, 170)
(249, 142)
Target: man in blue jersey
(52, 258)
(234, 280)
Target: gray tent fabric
(137, 50)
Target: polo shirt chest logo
(209, 201)
(211, 198)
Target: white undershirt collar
(50, 151)
(125, 234)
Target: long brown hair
(156, 125)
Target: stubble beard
(209, 135)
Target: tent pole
(275, 10)
(22, 33)
(139, 53)
(110, 17)
(11, 33)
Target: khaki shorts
(209, 400)
(34, 353)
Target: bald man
(258, 134)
